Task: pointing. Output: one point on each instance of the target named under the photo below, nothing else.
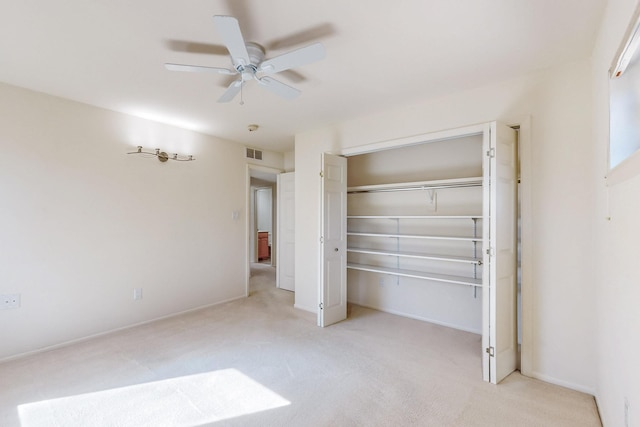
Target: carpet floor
(260, 362)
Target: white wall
(559, 104)
(289, 161)
(270, 159)
(616, 249)
(457, 306)
(82, 224)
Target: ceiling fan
(248, 61)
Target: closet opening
(432, 233)
(414, 231)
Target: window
(624, 97)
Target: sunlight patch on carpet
(184, 401)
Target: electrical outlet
(137, 293)
(9, 301)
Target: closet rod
(417, 188)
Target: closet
(429, 233)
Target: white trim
(627, 169)
(414, 140)
(248, 224)
(266, 169)
(627, 47)
(630, 166)
(561, 383)
(526, 198)
(526, 230)
(111, 331)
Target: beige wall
(82, 224)
(616, 249)
(562, 300)
(456, 306)
(289, 161)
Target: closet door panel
(333, 268)
(503, 251)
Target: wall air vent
(254, 154)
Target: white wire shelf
(459, 259)
(419, 185)
(414, 216)
(445, 278)
(415, 236)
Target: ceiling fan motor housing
(256, 53)
(256, 56)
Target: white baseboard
(424, 319)
(110, 331)
(566, 384)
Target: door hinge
(322, 240)
(490, 351)
(321, 306)
(491, 252)
(321, 174)
(491, 153)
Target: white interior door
(333, 258)
(500, 324)
(285, 268)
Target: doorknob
(336, 249)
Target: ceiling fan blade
(231, 91)
(308, 35)
(194, 47)
(243, 12)
(198, 69)
(293, 76)
(229, 29)
(279, 88)
(295, 58)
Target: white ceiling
(381, 54)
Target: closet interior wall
(450, 304)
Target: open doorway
(261, 219)
(263, 202)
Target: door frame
(525, 179)
(525, 193)
(249, 226)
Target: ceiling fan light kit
(248, 60)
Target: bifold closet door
(499, 297)
(333, 241)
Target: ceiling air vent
(254, 154)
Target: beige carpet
(260, 362)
